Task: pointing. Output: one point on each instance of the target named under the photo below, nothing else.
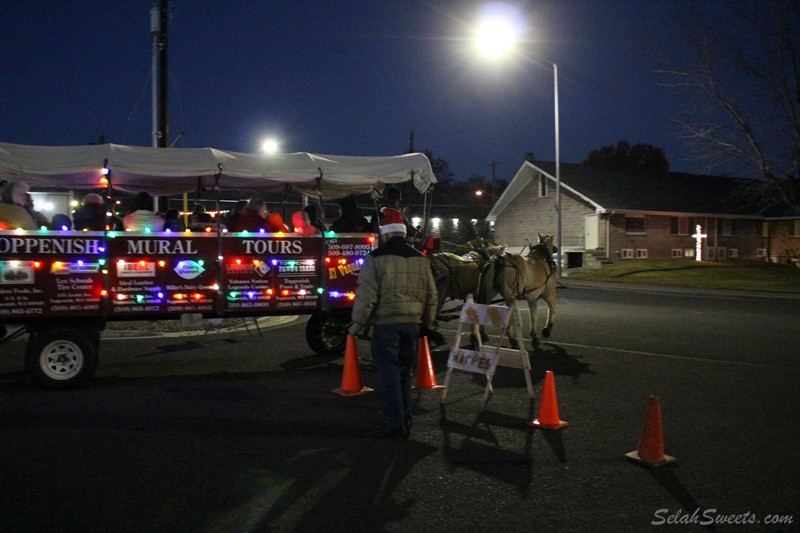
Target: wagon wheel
(326, 332)
(62, 358)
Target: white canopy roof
(167, 171)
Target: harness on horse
(443, 270)
(507, 259)
(548, 255)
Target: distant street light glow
(270, 146)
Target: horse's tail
(486, 281)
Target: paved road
(232, 434)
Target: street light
(270, 146)
(496, 35)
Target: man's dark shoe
(383, 432)
(435, 338)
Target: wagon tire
(62, 358)
(326, 333)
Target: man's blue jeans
(394, 348)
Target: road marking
(671, 356)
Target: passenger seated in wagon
(13, 214)
(257, 218)
(91, 215)
(142, 217)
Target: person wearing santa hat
(396, 293)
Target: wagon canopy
(168, 171)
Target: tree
(623, 156)
(744, 91)
(441, 169)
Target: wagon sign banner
(267, 273)
(161, 274)
(62, 274)
(48, 275)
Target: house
(610, 215)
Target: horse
(457, 276)
(516, 276)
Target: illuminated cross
(698, 247)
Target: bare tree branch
(745, 84)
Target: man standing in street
(396, 293)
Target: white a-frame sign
(486, 359)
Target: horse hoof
(514, 344)
(546, 333)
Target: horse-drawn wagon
(62, 287)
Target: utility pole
(158, 27)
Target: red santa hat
(392, 221)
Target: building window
(761, 252)
(634, 224)
(794, 228)
(641, 253)
(626, 253)
(733, 252)
(765, 229)
(730, 227)
(680, 225)
(677, 253)
(688, 252)
(542, 185)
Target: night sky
(344, 77)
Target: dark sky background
(344, 77)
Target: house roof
(636, 191)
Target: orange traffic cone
(351, 377)
(548, 410)
(651, 444)
(426, 377)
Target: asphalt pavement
(276, 450)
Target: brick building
(615, 215)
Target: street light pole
(558, 172)
(496, 35)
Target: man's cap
(392, 221)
